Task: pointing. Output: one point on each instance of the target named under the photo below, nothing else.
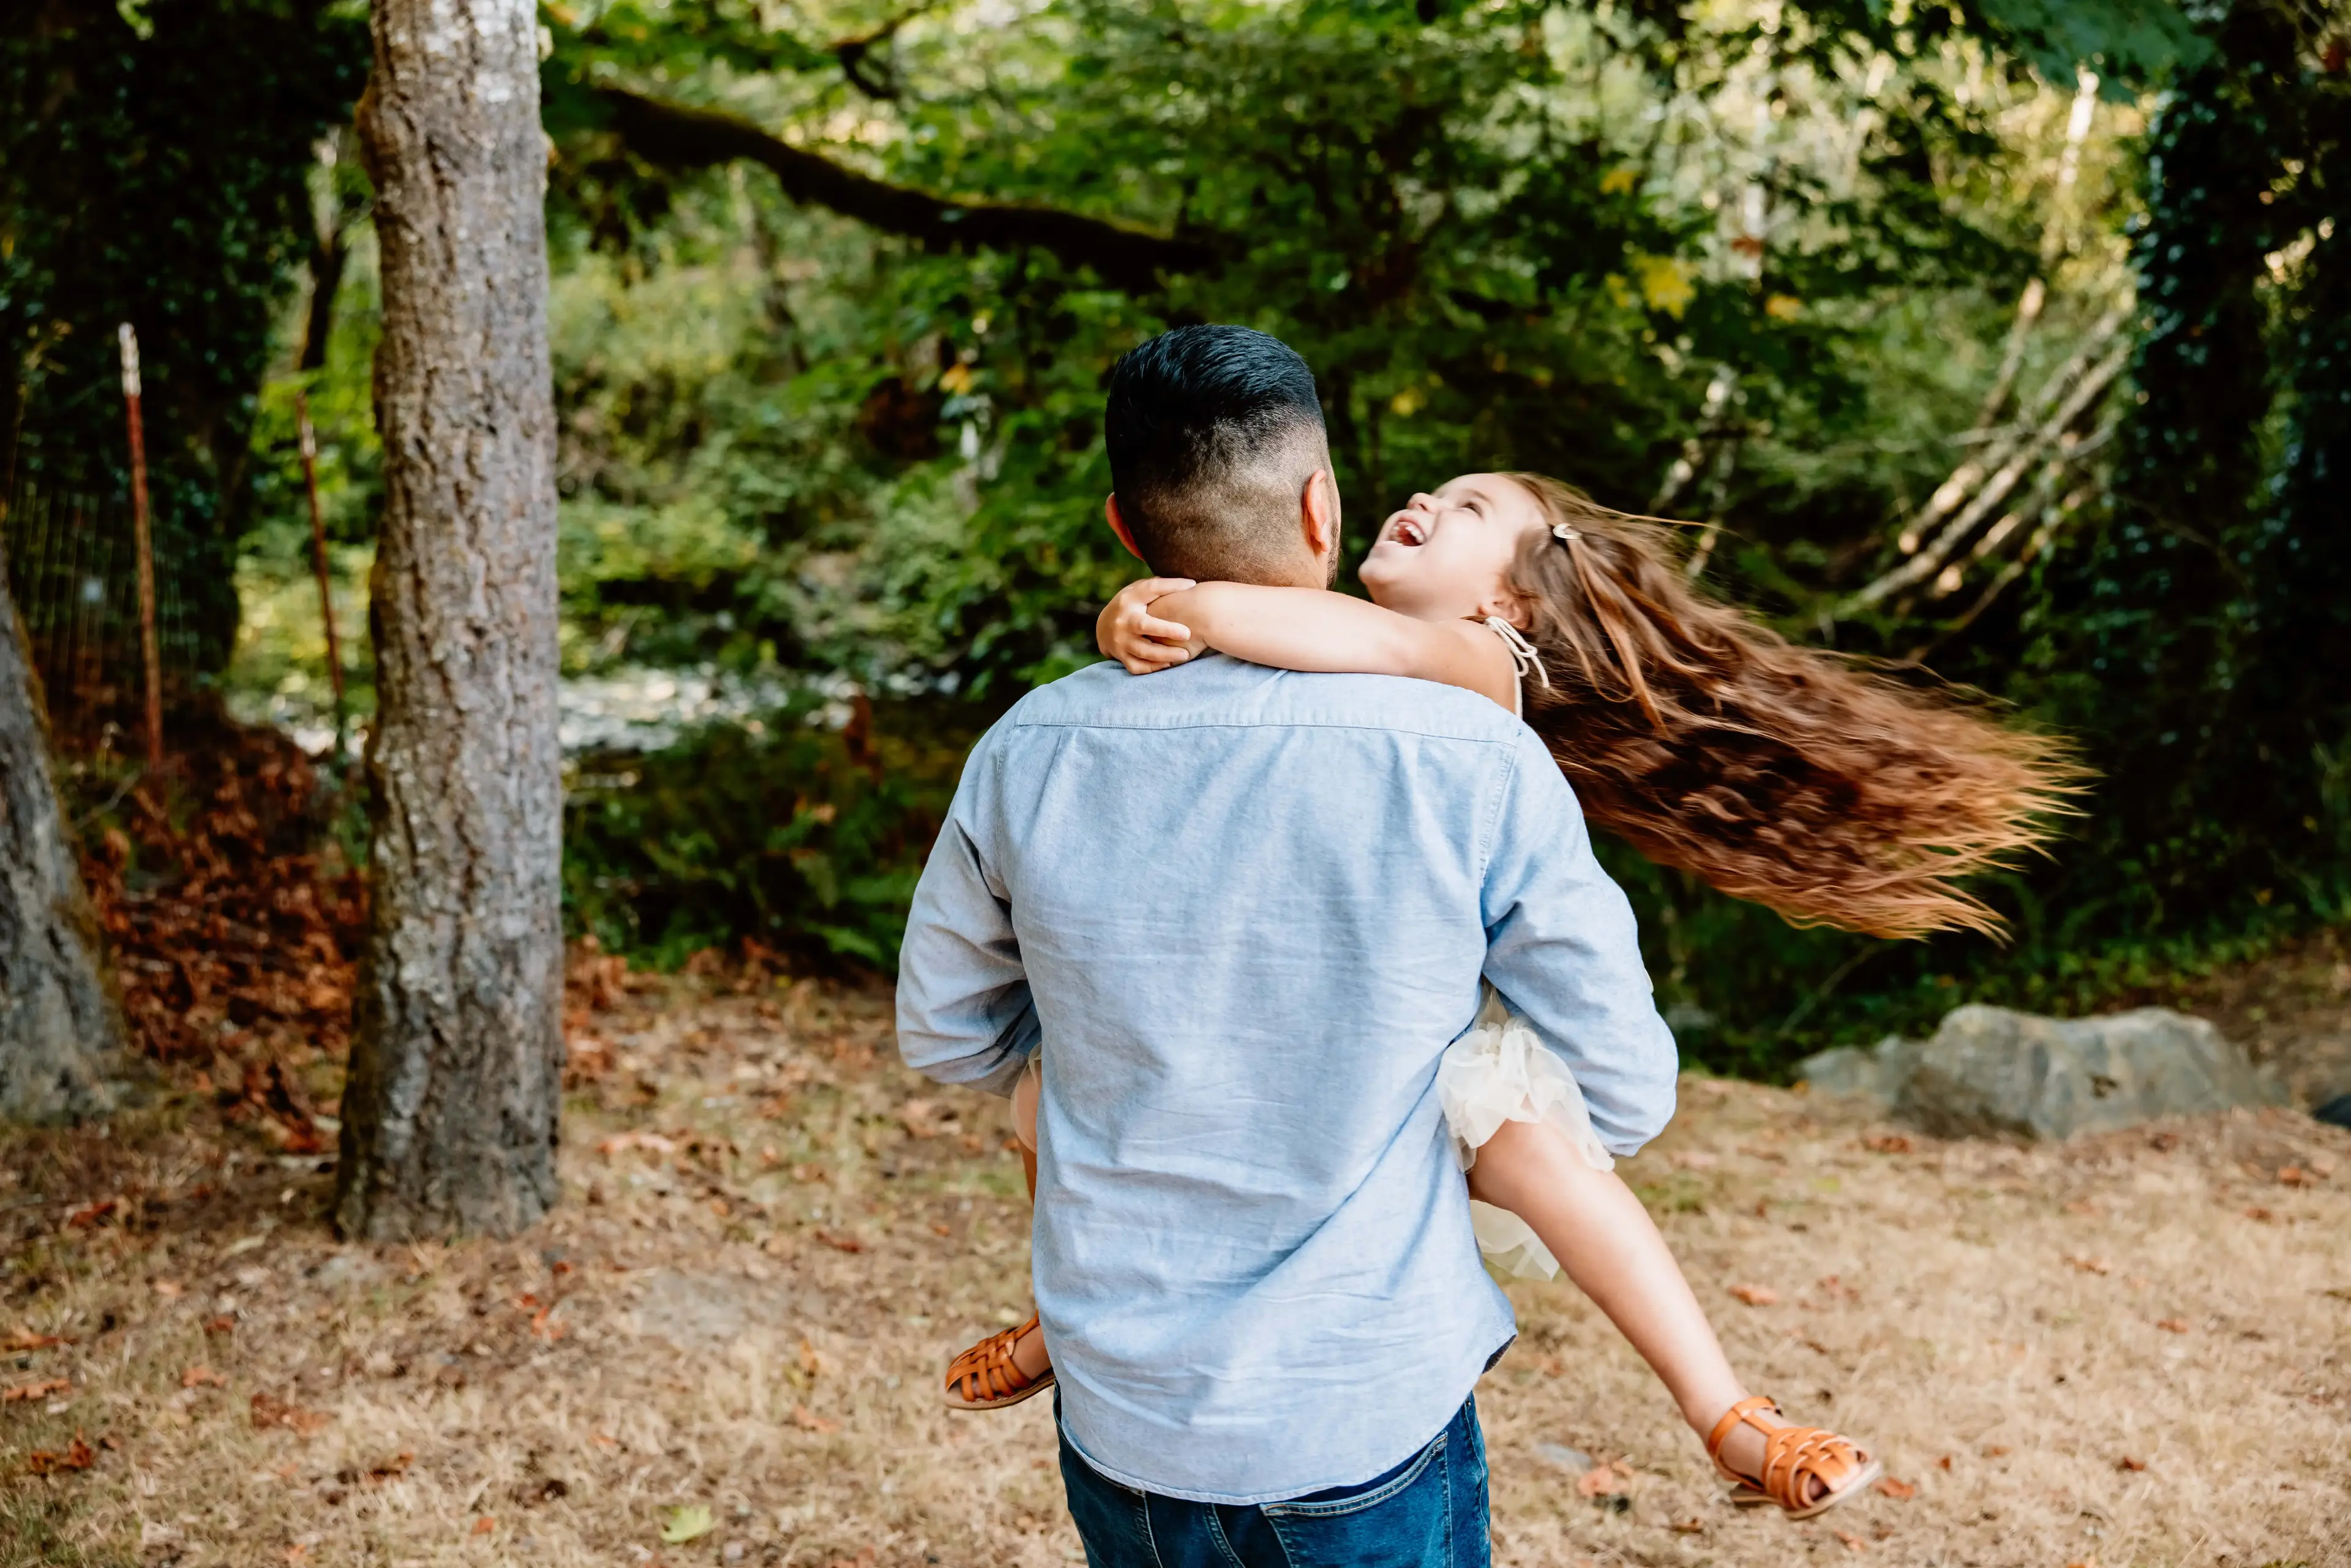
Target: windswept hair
(1777, 773)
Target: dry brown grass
(750, 1319)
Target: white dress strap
(1523, 657)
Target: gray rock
(1575, 1461)
(1881, 1073)
(1992, 1072)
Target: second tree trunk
(449, 1117)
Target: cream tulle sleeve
(1499, 1072)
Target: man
(1244, 911)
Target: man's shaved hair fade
(1213, 432)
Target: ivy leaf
(2128, 42)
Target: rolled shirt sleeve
(965, 1011)
(1562, 951)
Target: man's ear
(1317, 513)
(1118, 525)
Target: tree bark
(449, 1115)
(61, 1032)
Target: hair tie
(1561, 531)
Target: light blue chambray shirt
(1245, 911)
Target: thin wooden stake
(148, 652)
(318, 558)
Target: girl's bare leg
(1029, 1351)
(1606, 1243)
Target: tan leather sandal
(985, 1377)
(1794, 1458)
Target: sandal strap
(1793, 1455)
(987, 1371)
(1743, 1411)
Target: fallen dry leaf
(26, 1339)
(270, 1412)
(1614, 1479)
(1993, 1450)
(392, 1469)
(2295, 1175)
(222, 1324)
(90, 1213)
(808, 1421)
(1756, 1295)
(2172, 1325)
(2089, 1265)
(2127, 1463)
(1900, 1491)
(299, 1552)
(1690, 1526)
(2259, 1214)
(653, 1143)
(1851, 1541)
(485, 1524)
(688, 1522)
(26, 1392)
(839, 1242)
(199, 1376)
(1889, 1144)
(78, 1456)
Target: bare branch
(682, 138)
(853, 52)
(1969, 474)
(2058, 517)
(2052, 243)
(1711, 415)
(1993, 490)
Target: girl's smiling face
(1448, 555)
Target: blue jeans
(1428, 1512)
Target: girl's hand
(1127, 631)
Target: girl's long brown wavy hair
(1780, 774)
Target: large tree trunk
(449, 1118)
(60, 1028)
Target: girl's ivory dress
(1499, 1072)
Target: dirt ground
(723, 1348)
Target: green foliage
(154, 173)
(1506, 234)
(2130, 43)
(790, 832)
(2199, 635)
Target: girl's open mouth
(1407, 531)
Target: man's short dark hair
(1213, 433)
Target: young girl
(1777, 773)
